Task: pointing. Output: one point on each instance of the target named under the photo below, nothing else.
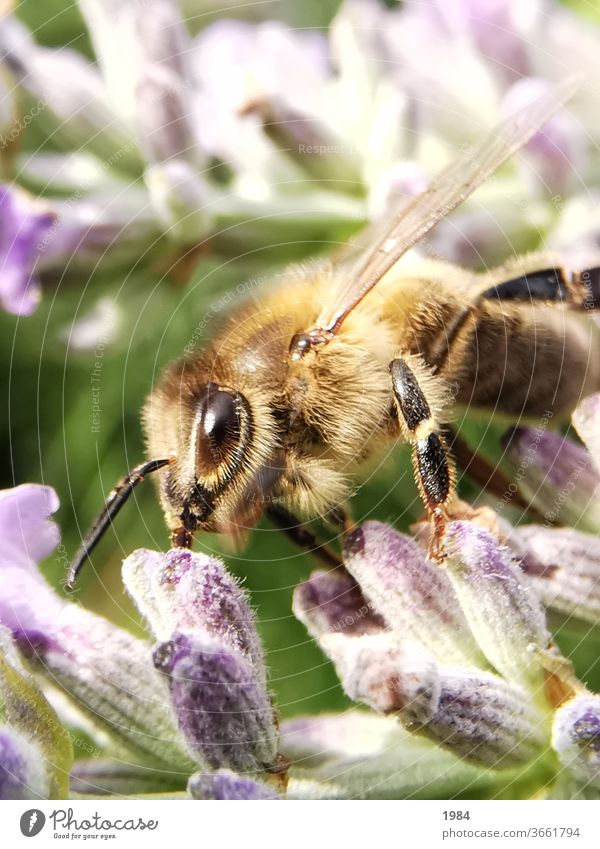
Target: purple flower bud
(564, 567)
(576, 738)
(105, 670)
(481, 717)
(413, 596)
(476, 715)
(331, 602)
(184, 591)
(211, 655)
(223, 711)
(225, 785)
(557, 475)
(505, 617)
(24, 225)
(586, 419)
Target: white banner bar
(257, 825)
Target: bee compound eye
(218, 426)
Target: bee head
(221, 438)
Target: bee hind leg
(579, 290)
(432, 462)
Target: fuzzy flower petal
(223, 712)
(184, 591)
(210, 654)
(564, 567)
(557, 475)
(505, 617)
(225, 785)
(24, 225)
(477, 715)
(559, 149)
(576, 738)
(331, 602)
(414, 597)
(474, 714)
(103, 669)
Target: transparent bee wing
(450, 188)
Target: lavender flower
(446, 669)
(210, 654)
(313, 130)
(576, 738)
(557, 475)
(102, 669)
(23, 226)
(463, 656)
(35, 757)
(201, 688)
(562, 480)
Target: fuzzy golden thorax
(301, 428)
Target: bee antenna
(113, 504)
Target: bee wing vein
(447, 190)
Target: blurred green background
(46, 426)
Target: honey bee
(278, 413)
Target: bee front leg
(432, 463)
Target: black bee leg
(548, 284)
(301, 536)
(434, 470)
(579, 289)
(552, 286)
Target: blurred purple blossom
(557, 474)
(24, 225)
(312, 128)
